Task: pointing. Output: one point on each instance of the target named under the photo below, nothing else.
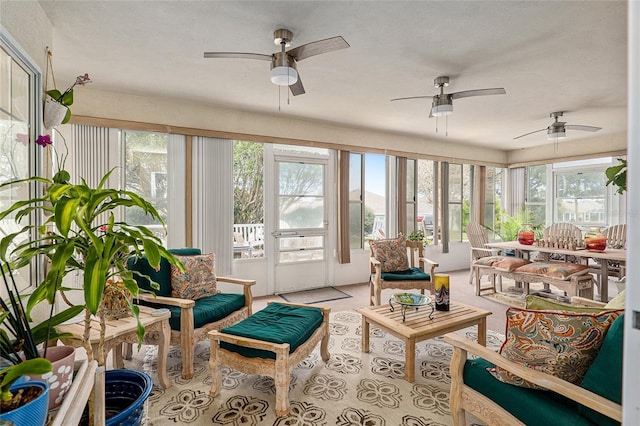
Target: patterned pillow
(198, 279)
(392, 254)
(562, 344)
(502, 263)
(560, 270)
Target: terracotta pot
(61, 375)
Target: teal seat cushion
(411, 274)
(604, 377)
(161, 276)
(206, 310)
(530, 406)
(277, 323)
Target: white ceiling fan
(557, 129)
(443, 102)
(283, 64)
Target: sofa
(551, 400)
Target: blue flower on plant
(43, 140)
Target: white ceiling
(548, 55)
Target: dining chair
(478, 237)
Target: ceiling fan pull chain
(446, 125)
(436, 124)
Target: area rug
(511, 296)
(352, 388)
(317, 295)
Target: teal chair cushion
(206, 310)
(530, 406)
(411, 274)
(162, 276)
(604, 377)
(277, 323)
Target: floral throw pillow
(562, 344)
(198, 279)
(560, 270)
(392, 254)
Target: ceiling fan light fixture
(440, 110)
(554, 134)
(284, 76)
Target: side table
(124, 330)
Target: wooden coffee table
(418, 327)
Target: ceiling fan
(283, 64)
(557, 129)
(443, 102)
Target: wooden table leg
(410, 360)
(365, 335)
(117, 356)
(163, 353)
(482, 331)
(604, 281)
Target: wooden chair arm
(491, 251)
(431, 263)
(171, 301)
(583, 301)
(552, 383)
(374, 261)
(236, 281)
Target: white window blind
(212, 184)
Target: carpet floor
(352, 388)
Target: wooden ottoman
(271, 342)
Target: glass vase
(594, 240)
(526, 235)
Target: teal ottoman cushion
(604, 377)
(206, 310)
(277, 323)
(530, 406)
(411, 274)
(161, 276)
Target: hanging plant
(617, 175)
(57, 103)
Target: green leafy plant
(19, 342)
(80, 233)
(507, 226)
(617, 175)
(417, 235)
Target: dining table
(609, 254)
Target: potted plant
(80, 233)
(56, 106)
(617, 175)
(22, 353)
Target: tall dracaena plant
(80, 233)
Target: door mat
(317, 295)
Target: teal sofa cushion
(277, 323)
(530, 406)
(411, 274)
(604, 377)
(206, 310)
(161, 276)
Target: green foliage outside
(617, 175)
(507, 226)
(248, 180)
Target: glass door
(300, 231)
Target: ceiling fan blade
(585, 128)
(317, 47)
(297, 88)
(478, 92)
(238, 55)
(412, 97)
(530, 133)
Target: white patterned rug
(352, 388)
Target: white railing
(248, 240)
(250, 231)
